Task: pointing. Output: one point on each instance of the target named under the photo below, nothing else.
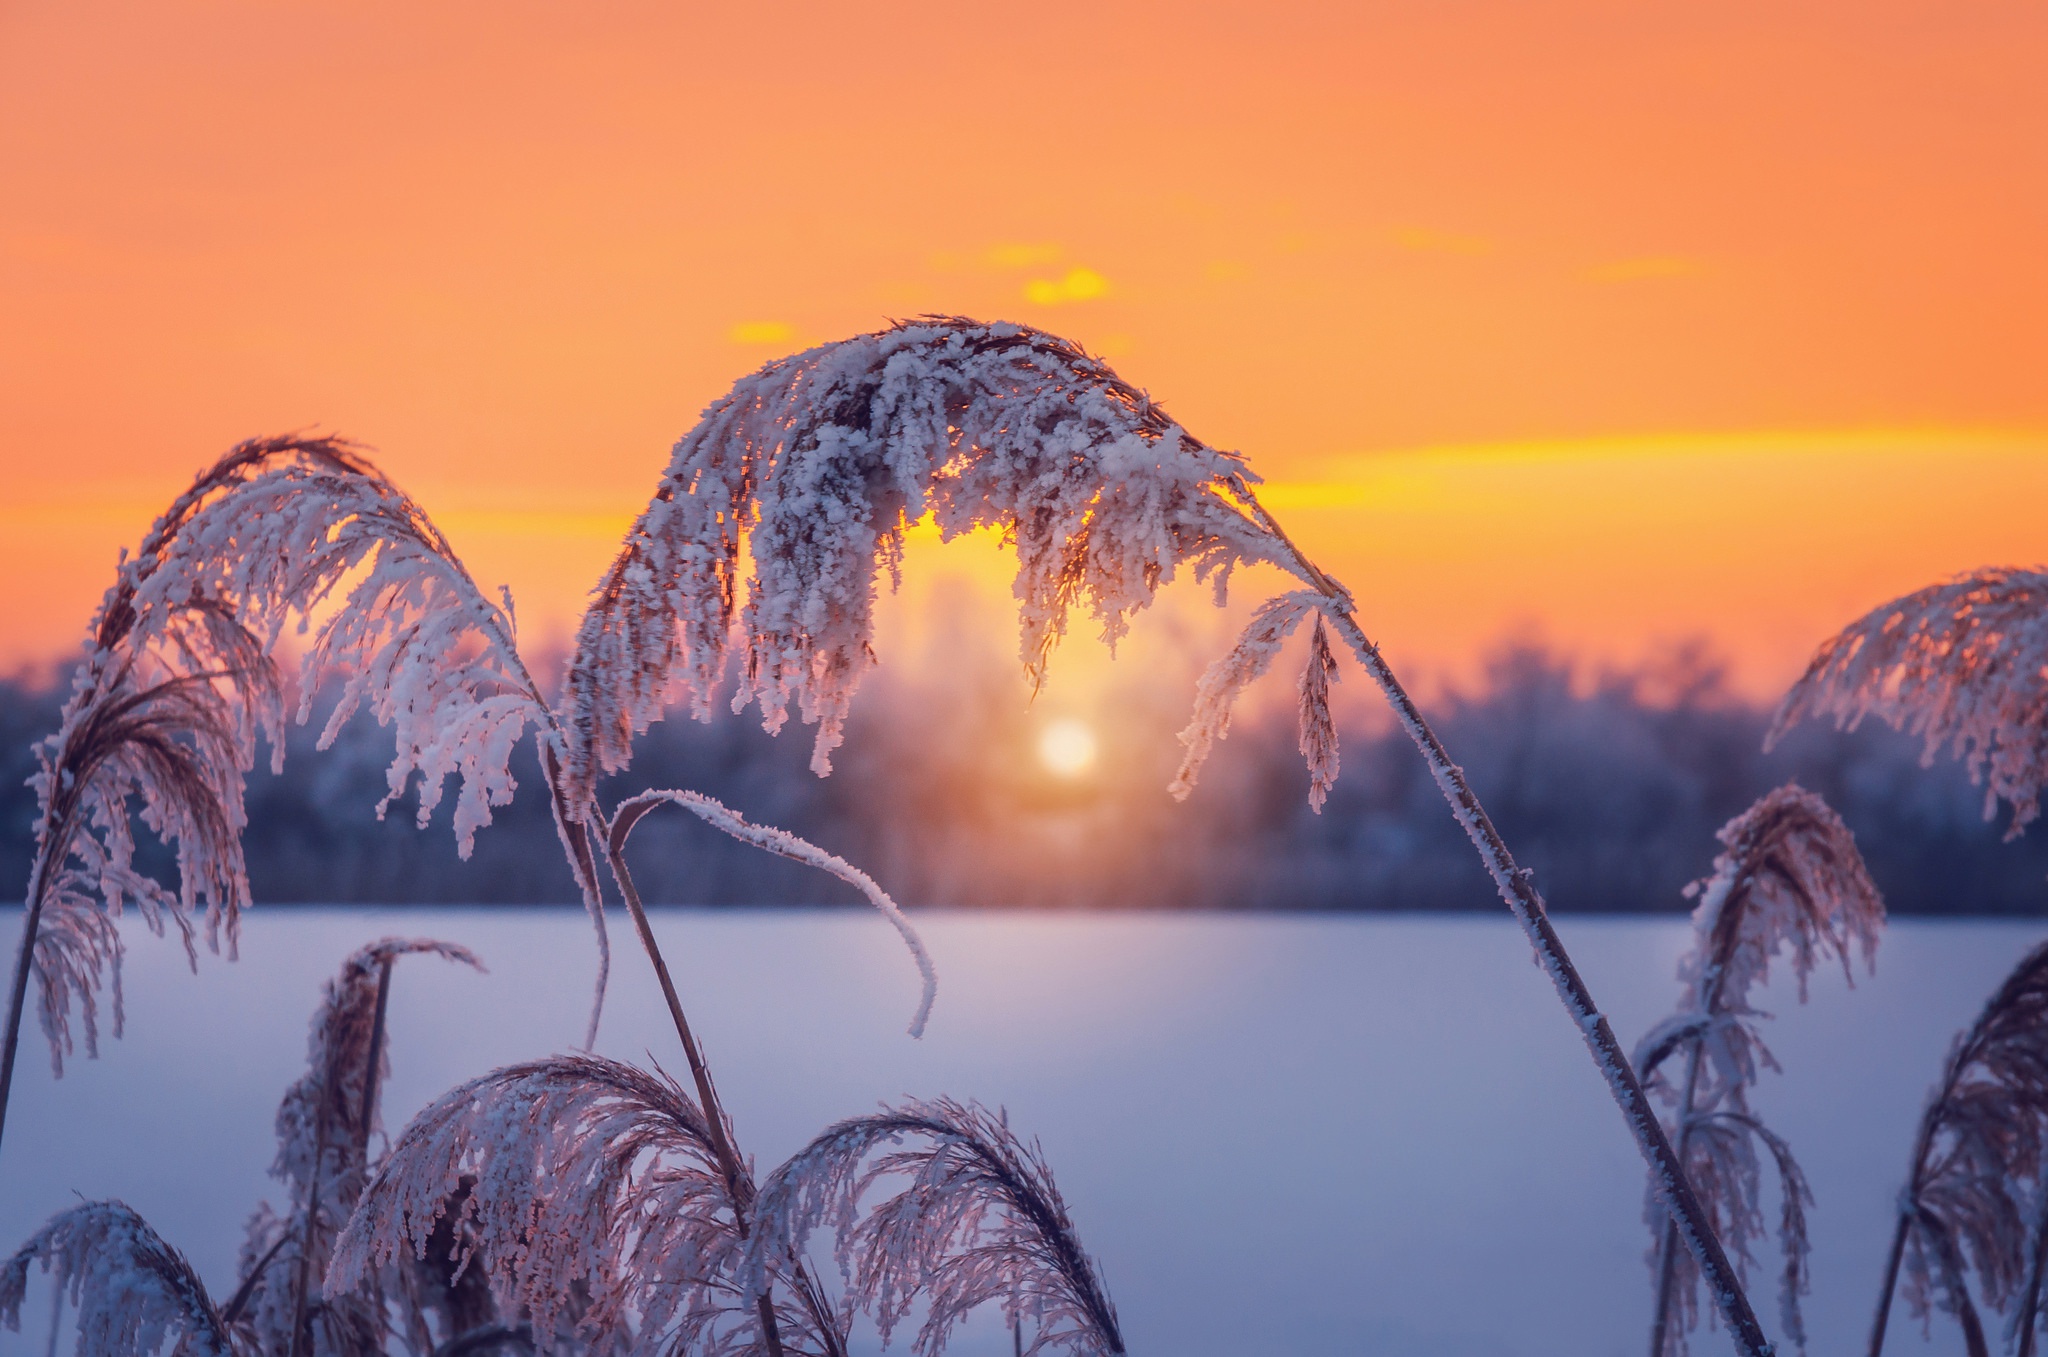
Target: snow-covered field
(1280, 1135)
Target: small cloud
(1224, 270)
(761, 332)
(1080, 285)
(1422, 240)
(1115, 346)
(1014, 256)
(1649, 266)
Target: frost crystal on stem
(324, 1126)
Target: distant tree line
(1611, 791)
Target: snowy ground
(1280, 1135)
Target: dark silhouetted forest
(1610, 790)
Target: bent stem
(1667, 1248)
(1518, 889)
(739, 1185)
(24, 962)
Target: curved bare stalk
(1517, 889)
(782, 843)
(739, 1182)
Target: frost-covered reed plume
(306, 535)
(310, 537)
(163, 715)
(1787, 883)
(593, 1198)
(1962, 664)
(1972, 1194)
(781, 510)
(978, 1220)
(134, 1294)
(324, 1128)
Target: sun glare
(1067, 747)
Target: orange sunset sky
(1610, 323)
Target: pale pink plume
(162, 719)
(583, 1185)
(1962, 664)
(780, 510)
(1972, 1193)
(977, 1220)
(1789, 882)
(308, 535)
(325, 1123)
(133, 1293)
(1243, 665)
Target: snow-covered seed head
(589, 1194)
(1962, 664)
(781, 509)
(1980, 1161)
(133, 1292)
(1788, 881)
(325, 1123)
(977, 1221)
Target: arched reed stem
(1518, 889)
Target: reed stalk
(739, 1184)
(24, 962)
(1667, 1245)
(1517, 888)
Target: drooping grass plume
(779, 513)
(161, 723)
(978, 1220)
(794, 490)
(1959, 664)
(582, 1176)
(165, 707)
(314, 538)
(1788, 883)
(1245, 664)
(1970, 1200)
(324, 1127)
(134, 1294)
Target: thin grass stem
(24, 962)
(738, 1185)
(376, 1049)
(1667, 1248)
(1518, 889)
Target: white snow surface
(1276, 1134)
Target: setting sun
(1067, 747)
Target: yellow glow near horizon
(1067, 747)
